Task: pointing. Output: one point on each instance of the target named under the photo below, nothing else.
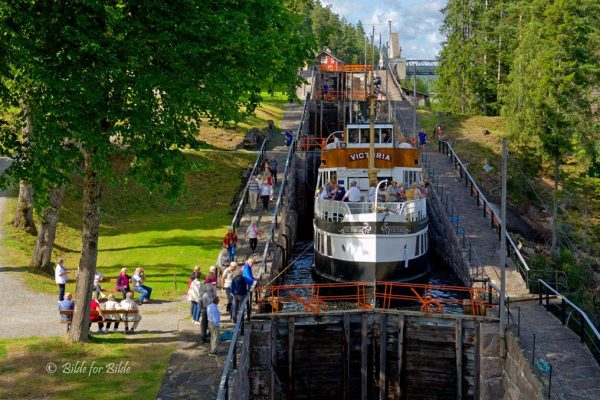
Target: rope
(289, 265)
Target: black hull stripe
(353, 271)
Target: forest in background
(537, 64)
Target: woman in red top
(95, 306)
(123, 282)
(230, 243)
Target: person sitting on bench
(112, 304)
(129, 305)
(66, 304)
(95, 317)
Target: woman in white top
(111, 305)
(265, 194)
(138, 285)
(195, 296)
(129, 305)
(252, 235)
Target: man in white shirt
(353, 194)
(60, 276)
(214, 323)
(226, 279)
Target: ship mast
(372, 170)
(372, 97)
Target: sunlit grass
(139, 229)
(24, 363)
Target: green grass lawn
(140, 229)
(108, 368)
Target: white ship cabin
(344, 160)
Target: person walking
(60, 277)
(252, 235)
(422, 139)
(265, 194)
(239, 290)
(214, 325)
(247, 273)
(230, 243)
(195, 298)
(253, 190)
(226, 279)
(273, 169)
(138, 285)
(208, 295)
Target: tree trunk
(23, 218)
(89, 249)
(42, 253)
(555, 206)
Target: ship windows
(417, 246)
(329, 252)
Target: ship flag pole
(372, 171)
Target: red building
(328, 62)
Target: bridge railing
(571, 316)
(495, 221)
(230, 365)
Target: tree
(136, 77)
(42, 252)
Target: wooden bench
(120, 313)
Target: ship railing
(412, 210)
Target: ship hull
(330, 269)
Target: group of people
(123, 281)
(230, 242)
(97, 314)
(395, 192)
(392, 193)
(204, 300)
(261, 185)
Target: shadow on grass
(140, 337)
(176, 241)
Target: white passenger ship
(370, 240)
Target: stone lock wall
(442, 235)
(490, 362)
(519, 382)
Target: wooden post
(363, 356)
(401, 324)
(346, 359)
(273, 356)
(291, 331)
(458, 347)
(477, 361)
(382, 354)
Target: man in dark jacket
(239, 290)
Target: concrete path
(485, 244)
(576, 374)
(192, 373)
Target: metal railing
(429, 298)
(571, 316)
(495, 221)
(411, 210)
(231, 360)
